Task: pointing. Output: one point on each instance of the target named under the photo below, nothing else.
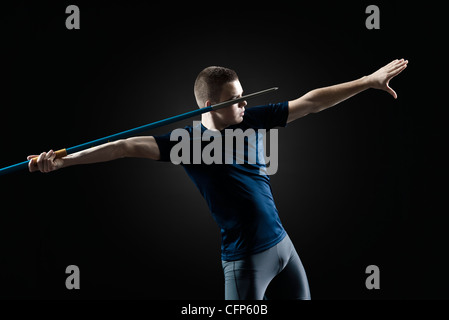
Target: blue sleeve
(268, 116)
(165, 145)
(276, 115)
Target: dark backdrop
(359, 184)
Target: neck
(212, 124)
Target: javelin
(128, 133)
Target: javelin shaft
(160, 123)
(137, 130)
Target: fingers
(44, 162)
(48, 161)
(40, 160)
(32, 165)
(51, 155)
(392, 63)
(397, 66)
(400, 64)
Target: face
(233, 114)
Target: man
(258, 257)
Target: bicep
(142, 147)
(299, 108)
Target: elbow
(311, 103)
(314, 107)
(318, 108)
(320, 105)
(119, 149)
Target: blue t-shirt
(239, 195)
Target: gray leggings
(276, 273)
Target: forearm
(102, 153)
(139, 147)
(323, 98)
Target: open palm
(381, 78)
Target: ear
(208, 104)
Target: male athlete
(259, 260)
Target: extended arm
(323, 98)
(137, 147)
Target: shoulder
(266, 116)
(264, 110)
(167, 135)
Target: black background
(359, 184)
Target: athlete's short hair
(209, 83)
